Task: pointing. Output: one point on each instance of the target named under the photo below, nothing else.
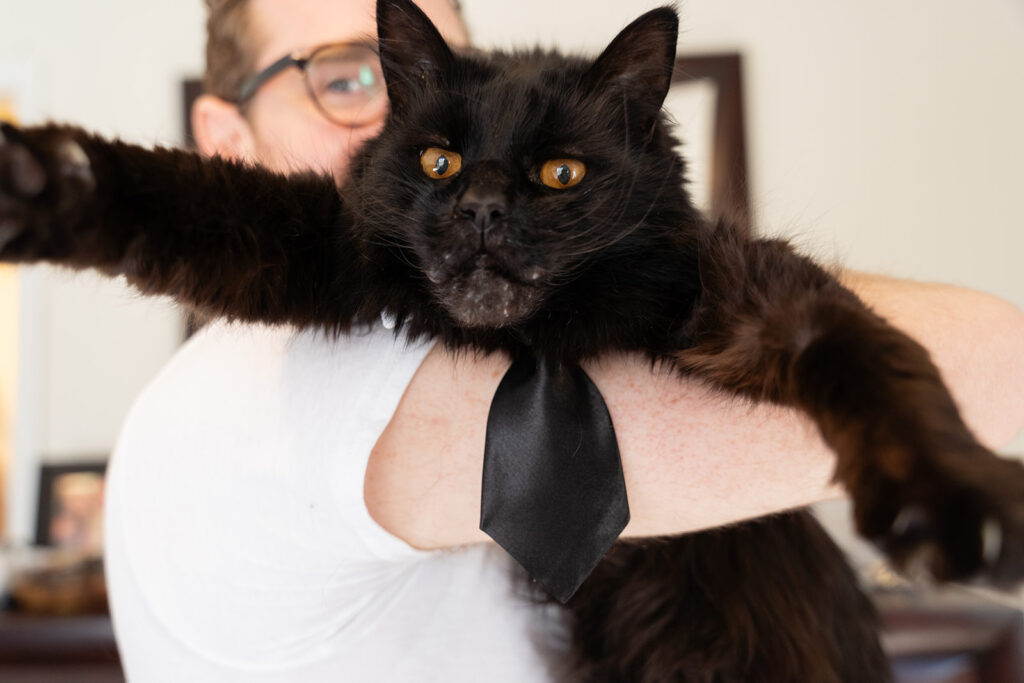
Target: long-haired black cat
(534, 202)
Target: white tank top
(239, 546)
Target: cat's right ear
(412, 51)
(639, 61)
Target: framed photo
(70, 513)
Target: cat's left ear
(639, 61)
(412, 51)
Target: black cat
(533, 202)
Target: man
(284, 507)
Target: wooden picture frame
(729, 187)
(191, 88)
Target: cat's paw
(955, 518)
(45, 177)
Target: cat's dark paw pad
(44, 175)
(21, 174)
(9, 229)
(921, 547)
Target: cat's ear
(639, 61)
(412, 51)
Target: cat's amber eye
(440, 163)
(561, 173)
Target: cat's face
(501, 177)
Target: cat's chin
(485, 299)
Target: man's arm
(693, 458)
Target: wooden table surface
(933, 638)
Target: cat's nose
(483, 206)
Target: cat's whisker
(580, 219)
(605, 199)
(641, 221)
(620, 197)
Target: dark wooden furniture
(77, 649)
(952, 637)
(945, 638)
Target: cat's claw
(74, 165)
(991, 541)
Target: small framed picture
(70, 513)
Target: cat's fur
(621, 261)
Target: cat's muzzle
(485, 297)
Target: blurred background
(887, 136)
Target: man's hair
(231, 46)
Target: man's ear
(412, 51)
(639, 61)
(219, 128)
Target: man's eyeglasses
(344, 80)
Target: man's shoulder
(240, 373)
(219, 356)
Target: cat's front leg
(228, 238)
(775, 326)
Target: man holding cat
(278, 499)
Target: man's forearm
(693, 458)
(976, 340)
(731, 460)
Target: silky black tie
(553, 492)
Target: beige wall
(885, 134)
(8, 369)
(89, 346)
(888, 136)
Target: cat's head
(501, 178)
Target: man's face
(289, 132)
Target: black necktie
(553, 492)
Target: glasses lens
(346, 81)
